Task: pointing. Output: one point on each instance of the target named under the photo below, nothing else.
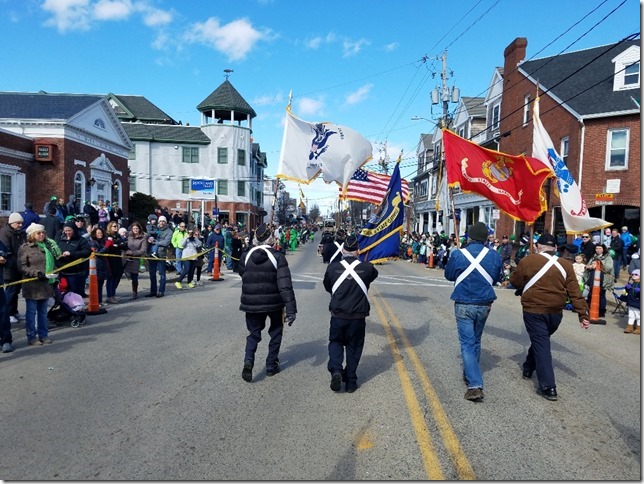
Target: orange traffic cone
(595, 294)
(215, 266)
(93, 307)
(430, 263)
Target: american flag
(366, 186)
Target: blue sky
(369, 65)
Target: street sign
(202, 188)
(215, 211)
(496, 214)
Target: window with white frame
(79, 186)
(241, 188)
(526, 110)
(222, 187)
(185, 185)
(617, 149)
(496, 116)
(5, 193)
(632, 75)
(563, 150)
(422, 189)
(222, 155)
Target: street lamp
(418, 118)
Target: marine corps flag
(513, 183)
(379, 240)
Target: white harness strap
(268, 253)
(552, 261)
(474, 264)
(339, 251)
(348, 271)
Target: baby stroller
(68, 306)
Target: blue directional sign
(202, 188)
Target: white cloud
(68, 14)
(391, 47)
(235, 39)
(112, 9)
(351, 48)
(309, 107)
(359, 95)
(153, 17)
(316, 42)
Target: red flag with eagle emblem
(513, 183)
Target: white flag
(309, 149)
(573, 207)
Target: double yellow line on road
(431, 461)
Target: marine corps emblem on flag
(498, 170)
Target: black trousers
(346, 336)
(540, 327)
(256, 322)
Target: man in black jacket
(267, 291)
(348, 281)
(12, 236)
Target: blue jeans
(36, 324)
(154, 266)
(540, 327)
(11, 293)
(470, 321)
(229, 261)
(178, 265)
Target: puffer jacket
(31, 261)
(349, 301)
(136, 247)
(265, 289)
(474, 289)
(78, 248)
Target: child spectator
(580, 270)
(632, 298)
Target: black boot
(247, 372)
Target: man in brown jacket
(544, 282)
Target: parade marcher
(327, 239)
(236, 248)
(475, 270)
(348, 281)
(267, 291)
(545, 282)
(12, 236)
(161, 241)
(333, 252)
(36, 259)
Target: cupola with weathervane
(226, 106)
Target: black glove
(289, 319)
(42, 276)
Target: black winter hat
(547, 239)
(262, 232)
(351, 244)
(478, 231)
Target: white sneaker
(13, 319)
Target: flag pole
(451, 201)
(277, 178)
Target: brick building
(60, 145)
(590, 106)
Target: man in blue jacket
(475, 270)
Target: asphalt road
(152, 390)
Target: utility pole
(446, 96)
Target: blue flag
(379, 240)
